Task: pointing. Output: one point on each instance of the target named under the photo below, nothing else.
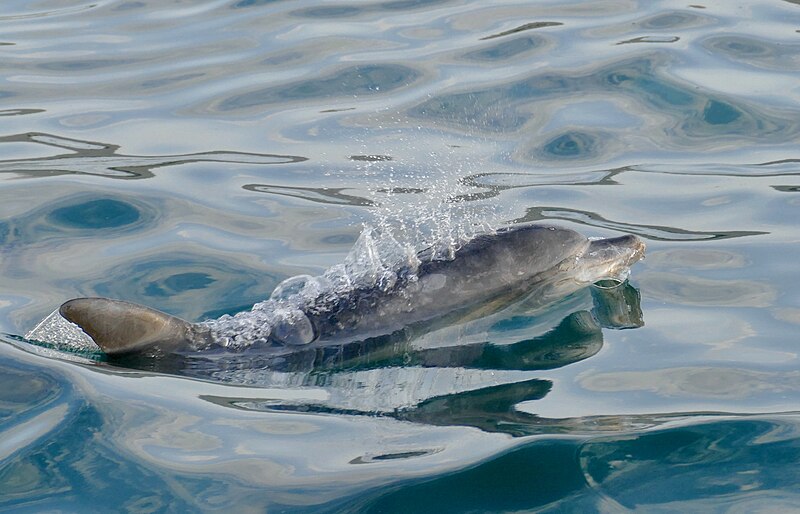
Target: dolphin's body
(487, 273)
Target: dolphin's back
(509, 255)
(506, 263)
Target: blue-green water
(190, 155)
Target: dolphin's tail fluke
(121, 327)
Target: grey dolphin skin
(483, 276)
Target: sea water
(192, 155)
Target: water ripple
(522, 28)
(354, 80)
(332, 196)
(101, 159)
(654, 232)
(270, 131)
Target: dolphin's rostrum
(487, 273)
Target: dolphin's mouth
(607, 262)
(608, 283)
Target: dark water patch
(730, 464)
(75, 455)
(672, 20)
(37, 409)
(5, 232)
(185, 284)
(25, 390)
(79, 215)
(651, 39)
(521, 480)
(506, 49)
(243, 4)
(654, 232)
(720, 113)
(355, 80)
(755, 52)
(86, 65)
(739, 46)
(572, 145)
(489, 110)
(325, 195)
(95, 214)
(528, 26)
(723, 119)
(179, 283)
(639, 78)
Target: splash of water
(415, 213)
(376, 261)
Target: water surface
(191, 155)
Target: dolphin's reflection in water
(473, 384)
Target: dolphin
(541, 263)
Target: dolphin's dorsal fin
(121, 327)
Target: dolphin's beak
(610, 258)
(629, 245)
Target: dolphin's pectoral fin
(121, 327)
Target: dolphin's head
(609, 259)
